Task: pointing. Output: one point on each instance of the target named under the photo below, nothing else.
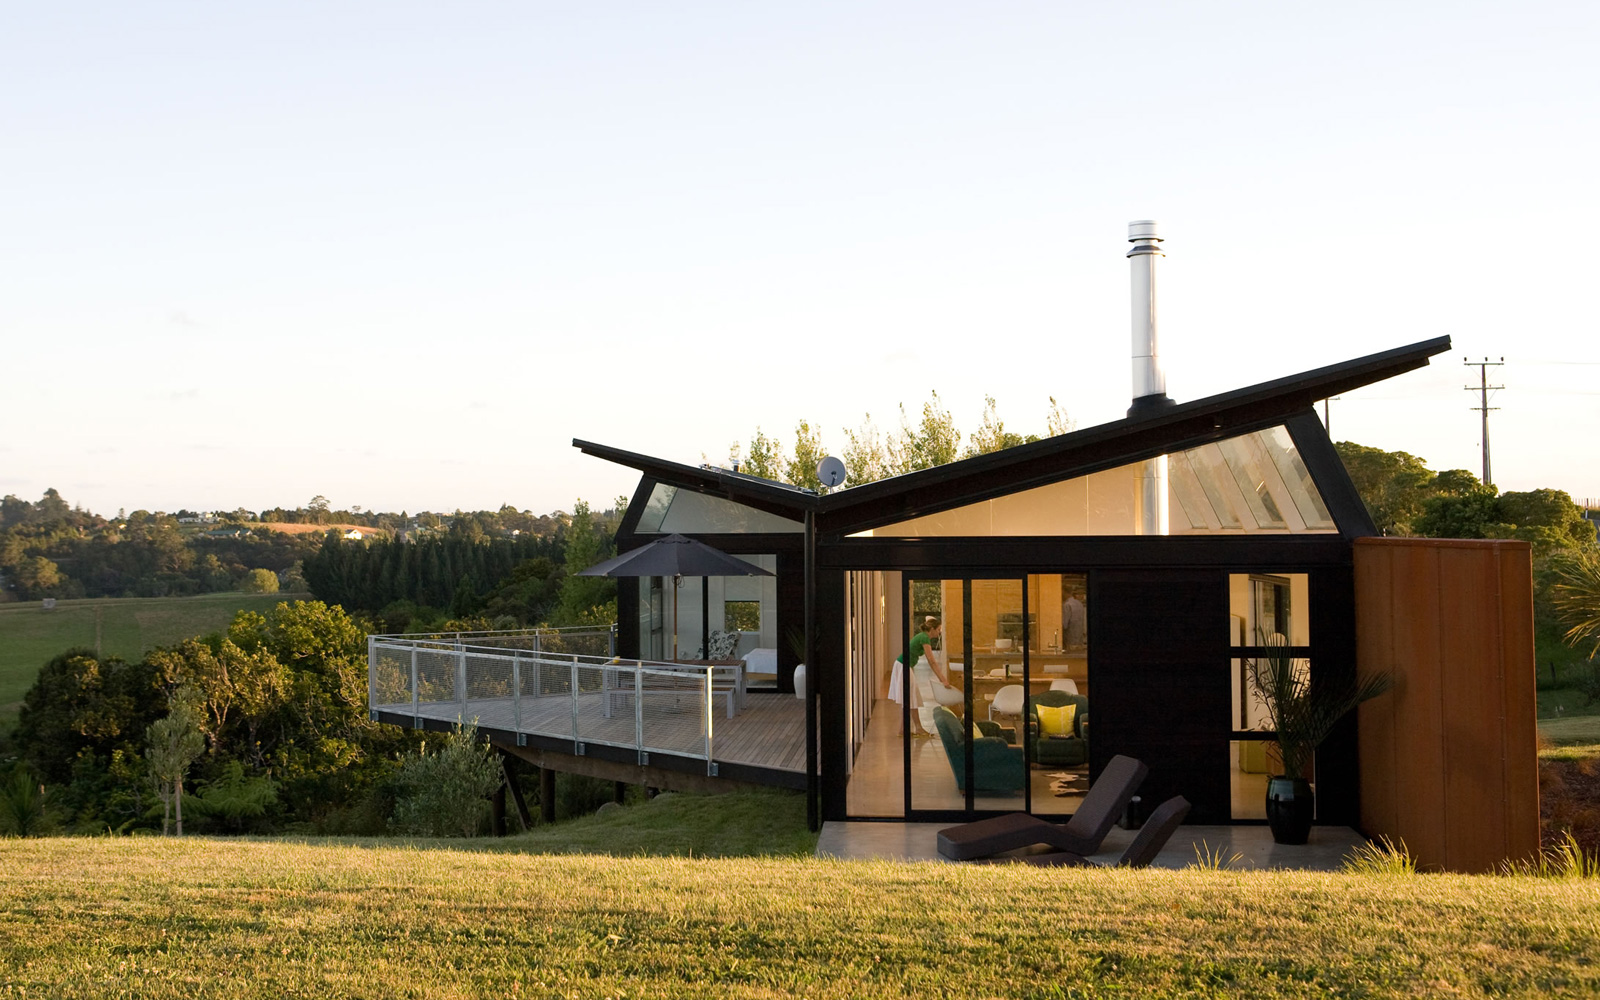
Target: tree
(934, 441)
(1056, 422)
(865, 459)
(991, 435)
(808, 451)
(173, 744)
(1392, 484)
(259, 581)
(38, 575)
(585, 546)
(318, 508)
(765, 458)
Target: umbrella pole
(675, 618)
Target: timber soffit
(1104, 446)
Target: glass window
(671, 509)
(1254, 482)
(1267, 606)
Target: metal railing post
(538, 670)
(575, 697)
(461, 681)
(416, 688)
(372, 672)
(516, 690)
(710, 768)
(638, 705)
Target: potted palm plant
(1302, 712)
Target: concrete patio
(1326, 850)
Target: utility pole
(1483, 388)
(1327, 424)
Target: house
(1138, 566)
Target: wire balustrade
(561, 683)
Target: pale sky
(401, 254)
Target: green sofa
(996, 766)
(1052, 752)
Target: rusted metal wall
(1449, 760)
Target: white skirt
(897, 686)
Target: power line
(1483, 388)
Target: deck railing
(562, 683)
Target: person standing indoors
(902, 685)
(1074, 621)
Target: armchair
(1055, 751)
(996, 766)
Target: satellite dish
(831, 471)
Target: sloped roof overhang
(1040, 463)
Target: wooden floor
(768, 733)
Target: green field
(196, 919)
(125, 627)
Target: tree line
(928, 440)
(461, 576)
(50, 548)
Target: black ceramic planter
(1290, 807)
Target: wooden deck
(769, 732)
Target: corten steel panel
(1456, 628)
(1158, 670)
(1374, 618)
(1470, 689)
(1520, 746)
(1419, 721)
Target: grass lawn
(151, 918)
(742, 824)
(125, 627)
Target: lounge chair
(1153, 836)
(1102, 806)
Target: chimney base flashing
(1147, 406)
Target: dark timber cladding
(1157, 632)
(1159, 606)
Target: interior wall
(1449, 760)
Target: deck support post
(547, 795)
(497, 811)
(508, 772)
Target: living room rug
(1064, 783)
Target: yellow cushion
(977, 733)
(1056, 721)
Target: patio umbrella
(675, 556)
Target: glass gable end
(1253, 483)
(671, 509)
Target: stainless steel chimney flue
(1149, 381)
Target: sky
(399, 255)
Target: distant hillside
(291, 528)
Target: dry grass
(235, 919)
(286, 528)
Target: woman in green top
(899, 689)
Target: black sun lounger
(1082, 834)
(1153, 836)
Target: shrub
(22, 804)
(234, 799)
(444, 794)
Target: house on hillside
(1133, 569)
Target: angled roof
(1039, 463)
